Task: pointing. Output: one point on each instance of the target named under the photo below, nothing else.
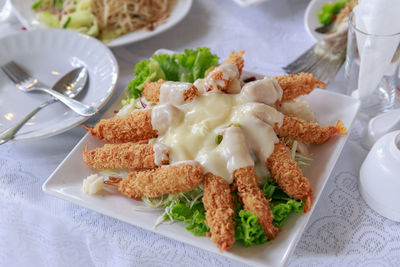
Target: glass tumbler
(383, 96)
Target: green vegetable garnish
(67, 22)
(329, 11)
(58, 4)
(184, 67)
(37, 4)
(218, 139)
(248, 231)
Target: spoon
(382, 124)
(71, 84)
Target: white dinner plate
(248, 3)
(47, 55)
(25, 14)
(66, 183)
(311, 21)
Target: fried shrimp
(288, 175)
(308, 132)
(253, 199)
(129, 128)
(219, 206)
(236, 58)
(295, 85)
(154, 183)
(129, 155)
(151, 90)
(175, 93)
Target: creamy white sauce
(93, 184)
(164, 116)
(299, 108)
(266, 91)
(160, 153)
(235, 150)
(209, 115)
(172, 92)
(234, 87)
(229, 73)
(200, 85)
(188, 162)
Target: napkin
(378, 17)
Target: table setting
(208, 133)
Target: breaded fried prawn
(253, 199)
(308, 132)
(154, 183)
(129, 128)
(295, 85)
(288, 175)
(129, 155)
(176, 93)
(218, 202)
(236, 58)
(151, 90)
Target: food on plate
(93, 184)
(175, 178)
(104, 19)
(129, 155)
(227, 162)
(333, 14)
(219, 205)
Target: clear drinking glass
(384, 95)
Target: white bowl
(380, 176)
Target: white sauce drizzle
(172, 92)
(299, 108)
(266, 91)
(160, 153)
(193, 138)
(235, 149)
(229, 73)
(200, 85)
(164, 116)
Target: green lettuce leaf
(329, 10)
(184, 67)
(281, 204)
(248, 231)
(194, 217)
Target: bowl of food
(234, 156)
(114, 22)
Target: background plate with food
(66, 181)
(124, 22)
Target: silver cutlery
(26, 83)
(70, 85)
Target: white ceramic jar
(380, 176)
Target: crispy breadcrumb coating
(236, 58)
(154, 183)
(253, 199)
(114, 156)
(288, 175)
(151, 90)
(218, 202)
(309, 132)
(295, 85)
(129, 128)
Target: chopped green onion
(218, 139)
(67, 22)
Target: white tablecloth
(40, 230)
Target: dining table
(37, 229)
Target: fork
(323, 59)
(26, 83)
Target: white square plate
(66, 183)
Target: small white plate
(25, 14)
(66, 183)
(47, 55)
(311, 21)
